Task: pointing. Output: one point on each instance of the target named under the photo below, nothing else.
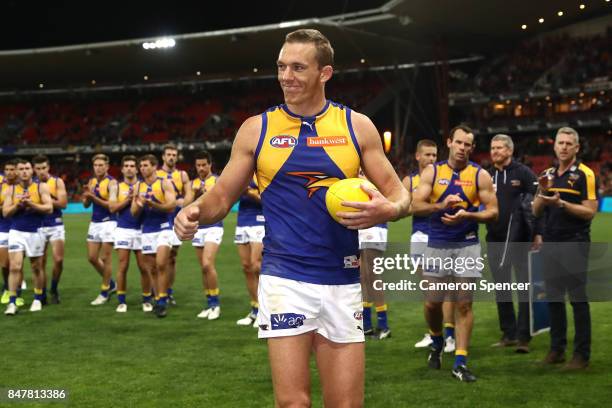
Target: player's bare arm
(188, 196)
(113, 202)
(215, 204)
(169, 203)
(46, 205)
(391, 201)
(61, 202)
(420, 199)
(8, 208)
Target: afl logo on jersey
(444, 182)
(283, 141)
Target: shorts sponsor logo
(444, 182)
(326, 141)
(122, 243)
(283, 141)
(4, 242)
(351, 261)
(90, 236)
(14, 247)
(464, 183)
(238, 237)
(281, 321)
(147, 248)
(263, 327)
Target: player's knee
(432, 306)
(294, 400)
(247, 267)
(463, 308)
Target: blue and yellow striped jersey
(297, 159)
(100, 189)
(5, 223)
(249, 210)
(25, 219)
(208, 183)
(175, 178)
(55, 218)
(125, 219)
(419, 224)
(154, 220)
(449, 181)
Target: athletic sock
(163, 299)
(54, 284)
(146, 297)
(381, 317)
(437, 340)
(38, 294)
(121, 296)
(367, 316)
(460, 358)
(254, 308)
(12, 297)
(449, 330)
(104, 290)
(213, 297)
(112, 285)
(170, 291)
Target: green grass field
(106, 359)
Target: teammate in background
(26, 203)
(155, 199)
(206, 242)
(250, 231)
(372, 244)
(53, 225)
(309, 292)
(427, 154)
(8, 179)
(127, 233)
(100, 236)
(184, 194)
(451, 192)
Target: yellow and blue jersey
(419, 224)
(55, 218)
(5, 223)
(449, 181)
(26, 219)
(250, 212)
(100, 190)
(177, 182)
(208, 183)
(154, 220)
(125, 219)
(297, 159)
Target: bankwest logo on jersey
(464, 183)
(314, 180)
(326, 141)
(283, 141)
(282, 321)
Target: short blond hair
(100, 156)
(324, 51)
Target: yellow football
(346, 190)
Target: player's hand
(451, 200)
(140, 201)
(454, 219)
(545, 182)
(371, 213)
(187, 222)
(553, 200)
(537, 242)
(148, 202)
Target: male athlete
(155, 199)
(426, 154)
(26, 204)
(206, 242)
(184, 195)
(53, 225)
(250, 231)
(100, 236)
(309, 292)
(8, 179)
(127, 233)
(450, 192)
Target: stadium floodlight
(582, 6)
(387, 141)
(541, 20)
(560, 13)
(161, 43)
(524, 26)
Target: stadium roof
(396, 32)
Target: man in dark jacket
(510, 238)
